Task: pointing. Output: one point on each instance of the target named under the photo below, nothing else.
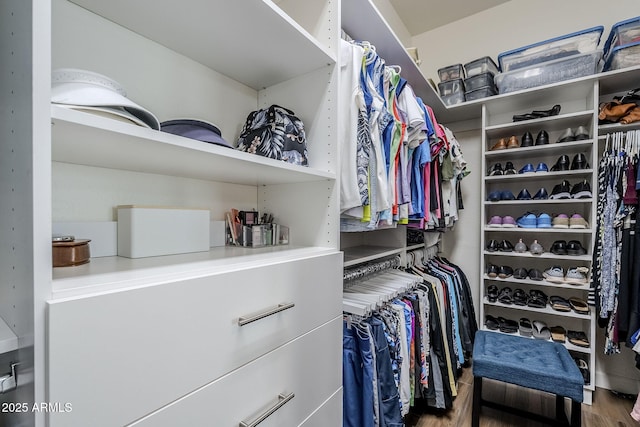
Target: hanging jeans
(387, 391)
(352, 379)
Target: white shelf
(540, 175)
(361, 254)
(108, 274)
(551, 149)
(551, 123)
(414, 247)
(584, 287)
(267, 46)
(544, 255)
(86, 139)
(8, 340)
(538, 202)
(616, 127)
(540, 230)
(546, 310)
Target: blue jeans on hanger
(388, 396)
(352, 379)
(369, 380)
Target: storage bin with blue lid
(580, 42)
(624, 56)
(549, 72)
(623, 33)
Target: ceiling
(420, 16)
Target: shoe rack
(502, 138)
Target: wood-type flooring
(608, 409)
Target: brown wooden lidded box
(67, 254)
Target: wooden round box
(67, 254)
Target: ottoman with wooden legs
(540, 365)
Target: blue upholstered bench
(535, 364)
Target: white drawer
(138, 350)
(308, 368)
(328, 415)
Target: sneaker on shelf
(554, 274)
(535, 274)
(577, 221)
(542, 167)
(527, 220)
(528, 168)
(496, 170)
(492, 270)
(541, 194)
(543, 221)
(505, 271)
(509, 169)
(581, 190)
(561, 191)
(575, 248)
(507, 195)
(577, 275)
(536, 248)
(508, 222)
(520, 273)
(560, 221)
(559, 247)
(524, 195)
(520, 247)
(495, 221)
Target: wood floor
(608, 409)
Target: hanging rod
(369, 269)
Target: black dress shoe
(520, 273)
(541, 194)
(553, 111)
(505, 271)
(524, 194)
(526, 140)
(574, 247)
(492, 246)
(581, 190)
(559, 247)
(567, 136)
(562, 164)
(506, 246)
(509, 169)
(542, 138)
(561, 191)
(492, 270)
(579, 162)
(496, 170)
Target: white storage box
(145, 231)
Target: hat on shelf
(98, 94)
(195, 129)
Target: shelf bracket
(9, 382)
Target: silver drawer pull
(277, 309)
(282, 399)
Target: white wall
(394, 21)
(512, 25)
(502, 28)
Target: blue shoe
(541, 194)
(528, 168)
(494, 196)
(507, 195)
(543, 221)
(528, 220)
(524, 194)
(542, 168)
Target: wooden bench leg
(477, 401)
(576, 414)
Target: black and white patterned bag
(274, 132)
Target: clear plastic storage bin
(453, 99)
(451, 87)
(623, 33)
(549, 72)
(585, 41)
(452, 72)
(623, 56)
(481, 66)
(482, 92)
(478, 81)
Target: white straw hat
(95, 92)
